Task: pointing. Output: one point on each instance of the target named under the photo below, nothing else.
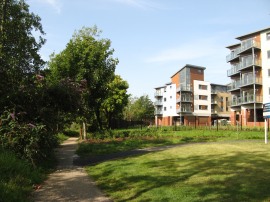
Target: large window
(202, 87)
(203, 107)
(202, 97)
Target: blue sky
(153, 39)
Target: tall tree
(117, 99)
(18, 47)
(88, 57)
(139, 109)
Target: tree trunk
(84, 131)
(97, 112)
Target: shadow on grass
(240, 176)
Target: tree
(140, 109)
(88, 57)
(116, 100)
(19, 56)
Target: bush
(71, 133)
(31, 142)
(17, 177)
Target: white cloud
(55, 4)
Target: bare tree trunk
(84, 131)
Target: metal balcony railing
(234, 69)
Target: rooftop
(253, 33)
(190, 66)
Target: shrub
(17, 177)
(32, 142)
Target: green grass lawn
(221, 171)
(153, 138)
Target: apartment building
(189, 99)
(165, 110)
(249, 73)
(220, 98)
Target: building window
(203, 107)
(165, 108)
(202, 97)
(221, 108)
(170, 86)
(268, 36)
(268, 54)
(171, 97)
(170, 107)
(165, 99)
(202, 87)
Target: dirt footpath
(69, 182)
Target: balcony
(213, 101)
(248, 79)
(184, 99)
(158, 103)
(235, 85)
(158, 94)
(250, 99)
(236, 101)
(234, 70)
(233, 55)
(248, 44)
(183, 88)
(247, 62)
(158, 112)
(184, 110)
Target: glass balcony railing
(249, 43)
(158, 94)
(158, 103)
(213, 101)
(251, 99)
(234, 54)
(184, 110)
(235, 85)
(158, 112)
(184, 99)
(234, 69)
(183, 88)
(248, 62)
(249, 79)
(236, 101)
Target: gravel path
(69, 182)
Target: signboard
(266, 110)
